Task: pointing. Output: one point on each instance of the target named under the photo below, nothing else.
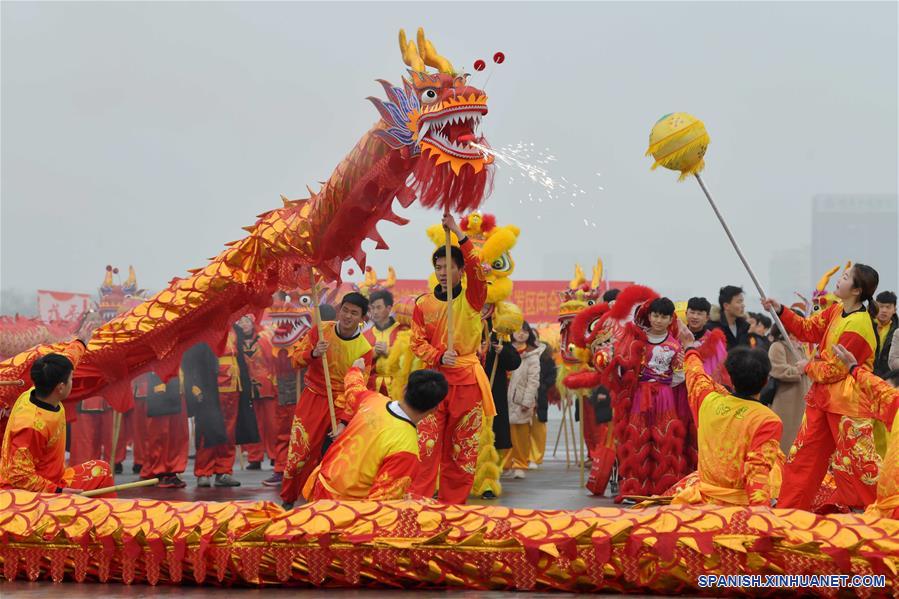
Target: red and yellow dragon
(418, 149)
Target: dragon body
(417, 150)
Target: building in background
(788, 273)
(858, 227)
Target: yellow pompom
(678, 141)
(507, 319)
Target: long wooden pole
(15, 383)
(317, 319)
(755, 280)
(580, 445)
(449, 287)
(123, 487)
(116, 427)
(561, 428)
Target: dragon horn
(597, 274)
(430, 55)
(578, 279)
(822, 283)
(390, 281)
(410, 53)
(848, 265)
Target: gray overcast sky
(149, 133)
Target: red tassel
(488, 223)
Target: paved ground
(553, 486)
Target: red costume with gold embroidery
(312, 420)
(877, 399)
(448, 438)
(375, 458)
(833, 421)
(34, 446)
(260, 358)
(739, 441)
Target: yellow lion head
(493, 244)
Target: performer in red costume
(34, 442)
(833, 421)
(259, 356)
(343, 344)
(376, 457)
(167, 441)
(448, 439)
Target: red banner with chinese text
(539, 300)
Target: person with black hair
(654, 410)
(833, 423)
(524, 384)
(343, 343)
(507, 361)
(759, 325)
(33, 454)
(732, 319)
(548, 373)
(698, 310)
(887, 324)
(259, 357)
(376, 456)
(448, 439)
(879, 399)
(382, 336)
(610, 295)
(739, 438)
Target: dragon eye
(305, 300)
(429, 96)
(501, 264)
(591, 302)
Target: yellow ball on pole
(678, 141)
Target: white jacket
(524, 383)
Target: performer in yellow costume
(343, 344)
(34, 443)
(448, 439)
(376, 457)
(833, 423)
(493, 244)
(739, 438)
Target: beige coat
(789, 400)
(523, 386)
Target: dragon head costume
(419, 149)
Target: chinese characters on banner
(539, 300)
(60, 305)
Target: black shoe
(287, 505)
(254, 466)
(271, 463)
(118, 469)
(136, 468)
(488, 494)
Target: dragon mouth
(452, 131)
(288, 328)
